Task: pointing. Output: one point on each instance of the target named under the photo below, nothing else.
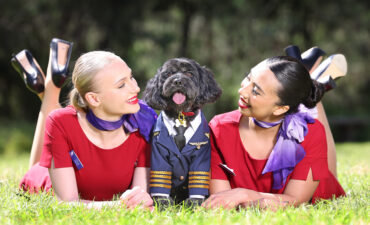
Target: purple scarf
(288, 151)
(143, 120)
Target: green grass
(353, 170)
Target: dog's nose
(177, 81)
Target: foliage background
(229, 37)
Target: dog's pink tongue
(178, 98)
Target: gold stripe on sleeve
(160, 181)
(159, 176)
(161, 172)
(199, 178)
(199, 181)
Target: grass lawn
(353, 171)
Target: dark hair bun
(317, 92)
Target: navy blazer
(186, 171)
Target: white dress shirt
(189, 132)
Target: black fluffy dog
(180, 145)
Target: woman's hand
(135, 197)
(227, 199)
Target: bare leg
(50, 101)
(332, 155)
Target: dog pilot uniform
(184, 173)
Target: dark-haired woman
(269, 152)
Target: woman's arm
(139, 192)
(217, 185)
(64, 183)
(65, 189)
(141, 178)
(296, 193)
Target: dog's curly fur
(185, 76)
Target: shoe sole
(334, 66)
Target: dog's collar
(188, 113)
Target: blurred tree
(227, 36)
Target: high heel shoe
(328, 82)
(26, 65)
(312, 57)
(59, 64)
(293, 51)
(334, 66)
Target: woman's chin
(133, 109)
(245, 111)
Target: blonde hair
(84, 72)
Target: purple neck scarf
(143, 121)
(287, 152)
(266, 124)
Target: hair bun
(317, 92)
(77, 101)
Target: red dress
(105, 172)
(227, 148)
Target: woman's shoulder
(226, 124)
(227, 118)
(63, 114)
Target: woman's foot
(30, 71)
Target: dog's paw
(163, 202)
(193, 202)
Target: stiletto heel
(28, 68)
(59, 68)
(312, 57)
(328, 82)
(334, 65)
(330, 70)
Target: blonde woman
(95, 149)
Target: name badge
(228, 169)
(76, 160)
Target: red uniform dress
(227, 148)
(105, 172)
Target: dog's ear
(209, 90)
(152, 93)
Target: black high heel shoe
(59, 72)
(308, 58)
(29, 70)
(293, 51)
(312, 56)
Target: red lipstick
(243, 104)
(134, 100)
